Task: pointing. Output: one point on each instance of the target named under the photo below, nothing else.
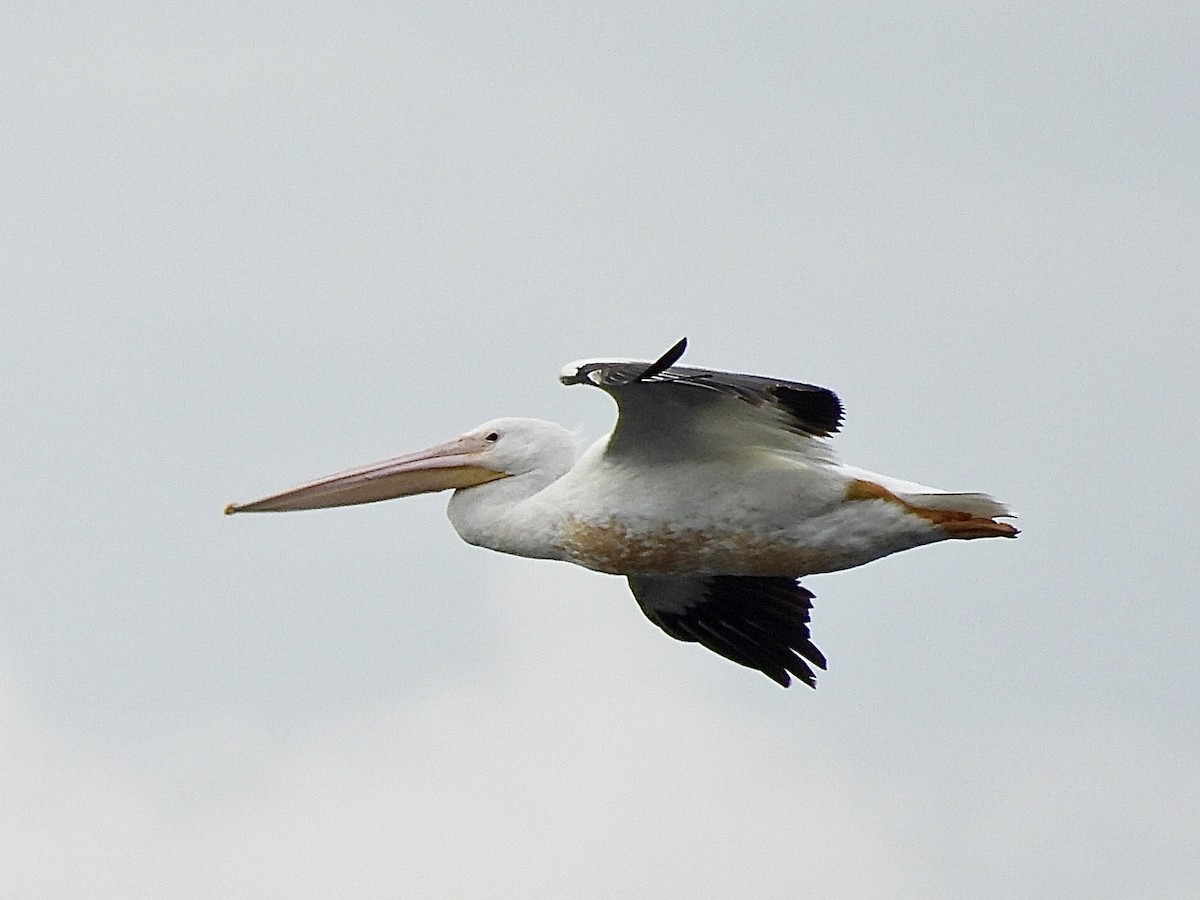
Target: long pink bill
(456, 464)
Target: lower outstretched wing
(757, 622)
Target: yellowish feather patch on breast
(610, 547)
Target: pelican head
(501, 448)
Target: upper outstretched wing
(678, 410)
(757, 622)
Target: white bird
(714, 494)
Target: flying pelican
(713, 495)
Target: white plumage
(714, 493)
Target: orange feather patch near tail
(958, 524)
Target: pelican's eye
(492, 436)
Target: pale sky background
(248, 244)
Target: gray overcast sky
(246, 244)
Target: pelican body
(713, 494)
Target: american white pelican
(714, 493)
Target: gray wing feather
(651, 395)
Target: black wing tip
(798, 672)
(664, 362)
(615, 374)
(757, 622)
(818, 408)
(801, 668)
(786, 650)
